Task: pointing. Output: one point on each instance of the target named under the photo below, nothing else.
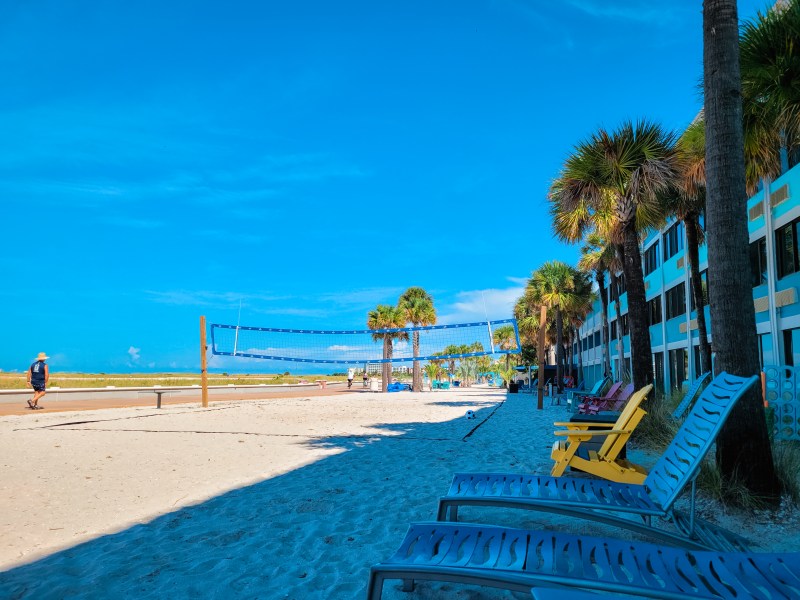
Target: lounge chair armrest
(591, 433)
(582, 425)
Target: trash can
(594, 444)
(513, 387)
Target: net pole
(203, 364)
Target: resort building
(774, 225)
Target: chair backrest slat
(681, 461)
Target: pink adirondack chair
(589, 400)
(615, 404)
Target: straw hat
(42, 356)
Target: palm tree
(688, 204)
(505, 338)
(432, 370)
(599, 257)
(549, 287)
(631, 168)
(579, 305)
(386, 317)
(418, 307)
(743, 448)
(770, 69)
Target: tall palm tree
(385, 317)
(633, 166)
(579, 305)
(688, 204)
(769, 50)
(550, 287)
(743, 448)
(599, 257)
(418, 307)
(506, 339)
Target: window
(673, 240)
(704, 284)
(654, 310)
(786, 249)
(590, 342)
(675, 299)
(658, 370)
(620, 288)
(625, 330)
(758, 262)
(614, 329)
(650, 259)
(678, 363)
(597, 339)
(791, 347)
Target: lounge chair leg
(375, 587)
(408, 585)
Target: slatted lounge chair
(627, 505)
(522, 560)
(693, 390)
(615, 404)
(604, 462)
(612, 393)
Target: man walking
(38, 376)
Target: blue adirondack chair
(681, 409)
(628, 505)
(519, 560)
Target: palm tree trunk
(743, 448)
(641, 353)
(386, 368)
(540, 356)
(600, 276)
(559, 350)
(692, 255)
(416, 377)
(620, 345)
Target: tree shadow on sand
(310, 533)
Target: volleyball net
(357, 347)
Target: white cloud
(134, 353)
(480, 305)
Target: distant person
(366, 379)
(351, 373)
(38, 376)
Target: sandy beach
(287, 498)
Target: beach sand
(288, 498)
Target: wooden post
(203, 364)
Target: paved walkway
(149, 399)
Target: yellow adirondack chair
(604, 462)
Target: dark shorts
(38, 387)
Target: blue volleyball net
(356, 347)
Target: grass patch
(657, 430)
(786, 455)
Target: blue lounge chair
(521, 560)
(693, 390)
(628, 505)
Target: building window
(791, 347)
(654, 310)
(673, 240)
(614, 329)
(625, 330)
(621, 287)
(675, 299)
(650, 259)
(678, 363)
(597, 339)
(786, 249)
(704, 285)
(758, 262)
(658, 370)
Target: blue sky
(307, 159)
